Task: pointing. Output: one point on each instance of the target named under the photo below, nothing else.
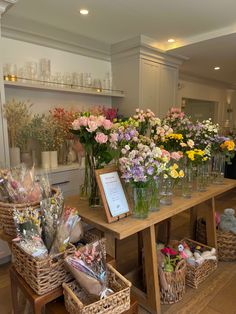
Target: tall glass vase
(154, 199)
(187, 181)
(141, 202)
(218, 168)
(166, 190)
(94, 196)
(201, 177)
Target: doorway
(199, 109)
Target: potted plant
(18, 115)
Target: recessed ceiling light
(171, 40)
(84, 11)
(216, 68)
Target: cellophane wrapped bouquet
(20, 185)
(88, 266)
(45, 231)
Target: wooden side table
(38, 302)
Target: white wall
(189, 89)
(18, 52)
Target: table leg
(192, 224)
(110, 244)
(211, 224)
(14, 295)
(151, 270)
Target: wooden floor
(216, 295)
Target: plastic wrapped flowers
(45, 230)
(88, 266)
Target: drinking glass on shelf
(75, 79)
(45, 69)
(97, 84)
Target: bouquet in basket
(46, 230)
(88, 266)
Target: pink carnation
(101, 138)
(114, 137)
(176, 155)
(107, 124)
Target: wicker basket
(226, 242)
(175, 284)
(6, 214)
(79, 302)
(48, 274)
(197, 274)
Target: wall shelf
(42, 87)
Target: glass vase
(166, 190)
(94, 195)
(187, 182)
(201, 177)
(218, 168)
(141, 202)
(154, 197)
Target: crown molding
(5, 5)
(187, 76)
(145, 47)
(44, 35)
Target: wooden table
(129, 226)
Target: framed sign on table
(114, 196)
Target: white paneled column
(4, 146)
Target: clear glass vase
(187, 182)
(141, 202)
(166, 190)
(202, 177)
(154, 196)
(94, 194)
(218, 168)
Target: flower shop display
(201, 261)
(18, 115)
(98, 287)
(94, 133)
(172, 272)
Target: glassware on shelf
(166, 190)
(187, 182)
(218, 168)
(97, 85)
(45, 70)
(141, 203)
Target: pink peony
(92, 126)
(101, 138)
(107, 124)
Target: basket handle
(119, 275)
(180, 264)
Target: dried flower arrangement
(18, 115)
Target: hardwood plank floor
(215, 296)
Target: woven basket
(226, 242)
(6, 214)
(48, 274)
(175, 284)
(197, 274)
(79, 302)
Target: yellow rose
(181, 174)
(174, 174)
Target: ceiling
(204, 30)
